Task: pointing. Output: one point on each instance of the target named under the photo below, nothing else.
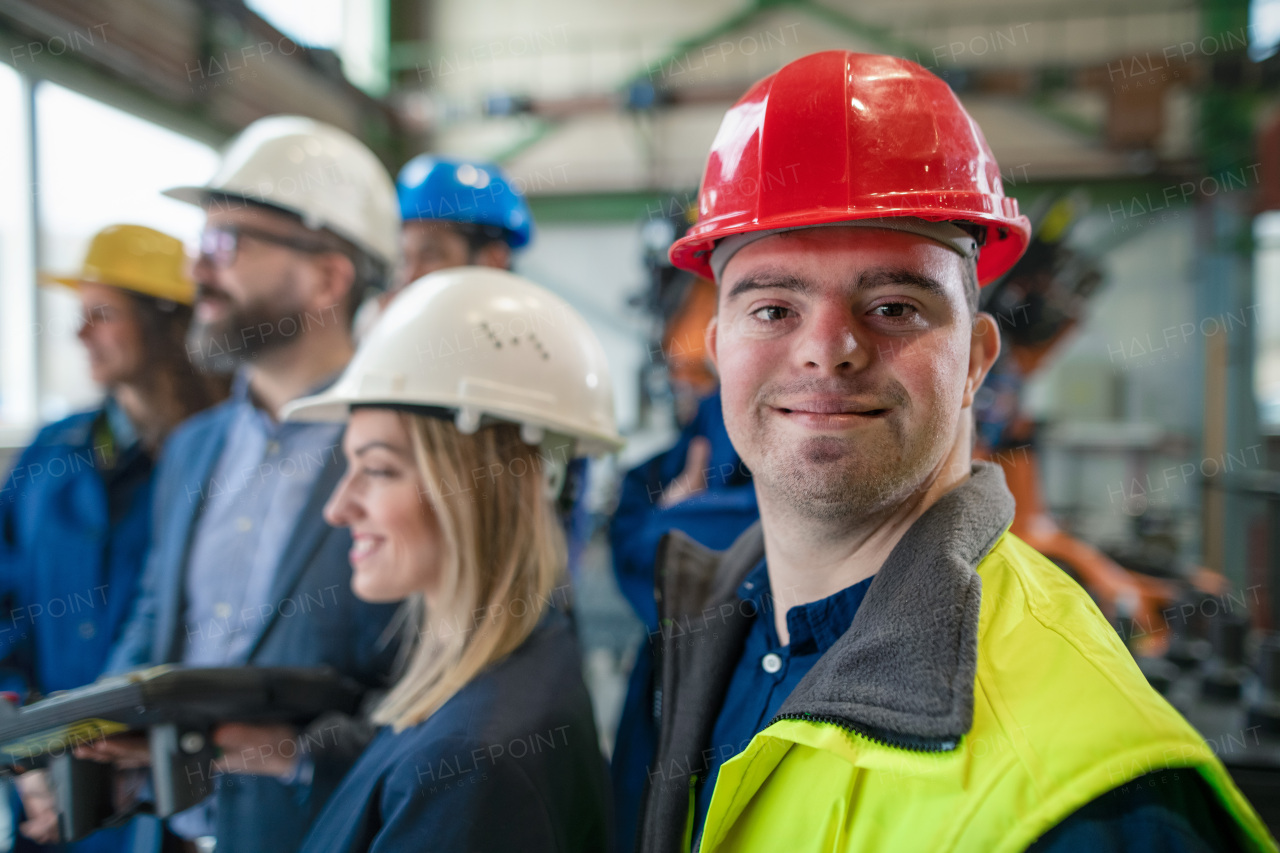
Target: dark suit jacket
(316, 621)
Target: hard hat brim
(318, 408)
(75, 283)
(692, 252)
(329, 407)
(69, 281)
(206, 197)
(189, 195)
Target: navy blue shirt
(768, 671)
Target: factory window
(1264, 28)
(315, 24)
(97, 166)
(17, 329)
(1266, 377)
(355, 31)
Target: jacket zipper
(877, 736)
(883, 738)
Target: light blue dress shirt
(260, 486)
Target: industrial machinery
(1036, 305)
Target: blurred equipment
(1225, 679)
(1036, 305)
(178, 708)
(684, 348)
(678, 305)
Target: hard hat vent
(494, 336)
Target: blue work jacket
(69, 562)
(714, 518)
(73, 540)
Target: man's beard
(852, 478)
(246, 332)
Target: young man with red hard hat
(879, 664)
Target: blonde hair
(503, 556)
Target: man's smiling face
(846, 356)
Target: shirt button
(88, 630)
(222, 610)
(771, 663)
(244, 524)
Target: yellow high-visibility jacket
(978, 699)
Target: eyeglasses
(220, 244)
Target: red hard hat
(839, 136)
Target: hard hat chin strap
(555, 451)
(553, 474)
(948, 234)
(467, 420)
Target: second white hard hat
(324, 175)
(484, 344)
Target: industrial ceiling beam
(202, 67)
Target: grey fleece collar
(905, 668)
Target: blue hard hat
(431, 187)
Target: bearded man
(301, 221)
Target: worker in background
(458, 213)
(698, 486)
(75, 510)
(454, 213)
(301, 223)
(488, 740)
(879, 665)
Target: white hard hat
(484, 344)
(323, 174)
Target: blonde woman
(463, 406)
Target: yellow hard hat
(136, 258)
